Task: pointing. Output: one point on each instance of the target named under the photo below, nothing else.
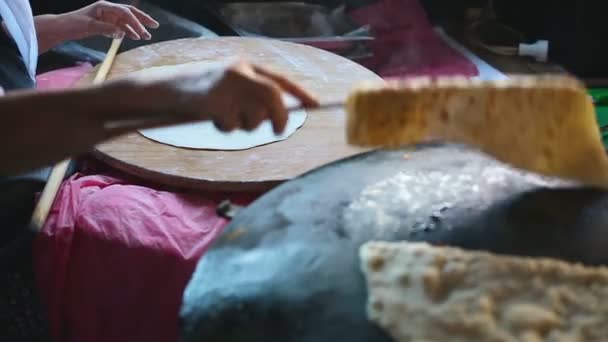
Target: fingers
(240, 96)
(305, 97)
(269, 94)
(106, 29)
(250, 120)
(129, 31)
(144, 18)
(128, 18)
(266, 90)
(226, 123)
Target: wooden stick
(43, 207)
(107, 63)
(53, 184)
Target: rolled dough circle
(204, 134)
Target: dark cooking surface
(286, 269)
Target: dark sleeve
(13, 71)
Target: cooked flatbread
(422, 293)
(544, 124)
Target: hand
(241, 95)
(101, 18)
(110, 19)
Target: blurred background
(575, 30)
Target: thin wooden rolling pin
(47, 198)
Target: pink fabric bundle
(406, 44)
(114, 258)
(63, 78)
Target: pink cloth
(113, 259)
(63, 78)
(406, 44)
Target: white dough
(204, 135)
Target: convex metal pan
(287, 268)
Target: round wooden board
(321, 140)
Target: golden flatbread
(545, 124)
(417, 292)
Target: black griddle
(287, 267)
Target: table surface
(321, 139)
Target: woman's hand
(100, 18)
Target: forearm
(51, 31)
(43, 128)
